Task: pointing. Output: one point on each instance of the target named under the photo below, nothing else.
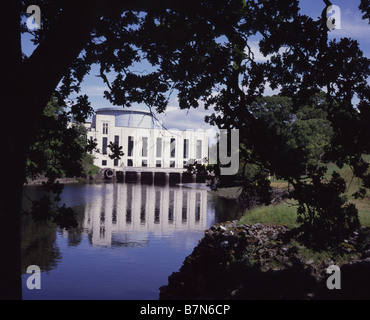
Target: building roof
(127, 117)
(121, 110)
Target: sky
(351, 26)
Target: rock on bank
(260, 261)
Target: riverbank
(285, 212)
(41, 180)
(241, 261)
(234, 192)
(258, 257)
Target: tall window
(91, 140)
(130, 146)
(186, 148)
(105, 144)
(144, 152)
(173, 147)
(116, 140)
(199, 149)
(105, 128)
(159, 148)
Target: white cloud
(352, 26)
(270, 92)
(176, 118)
(258, 56)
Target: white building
(143, 143)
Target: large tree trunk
(12, 158)
(26, 88)
(12, 177)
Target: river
(130, 238)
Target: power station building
(144, 143)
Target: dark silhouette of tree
(193, 48)
(59, 144)
(307, 64)
(365, 8)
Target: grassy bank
(279, 214)
(286, 213)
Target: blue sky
(351, 26)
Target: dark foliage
(194, 49)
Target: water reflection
(125, 215)
(38, 244)
(130, 238)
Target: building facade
(144, 144)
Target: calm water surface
(130, 238)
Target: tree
(89, 169)
(308, 64)
(58, 150)
(298, 137)
(294, 144)
(177, 39)
(283, 142)
(193, 47)
(59, 145)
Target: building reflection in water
(125, 216)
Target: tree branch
(50, 61)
